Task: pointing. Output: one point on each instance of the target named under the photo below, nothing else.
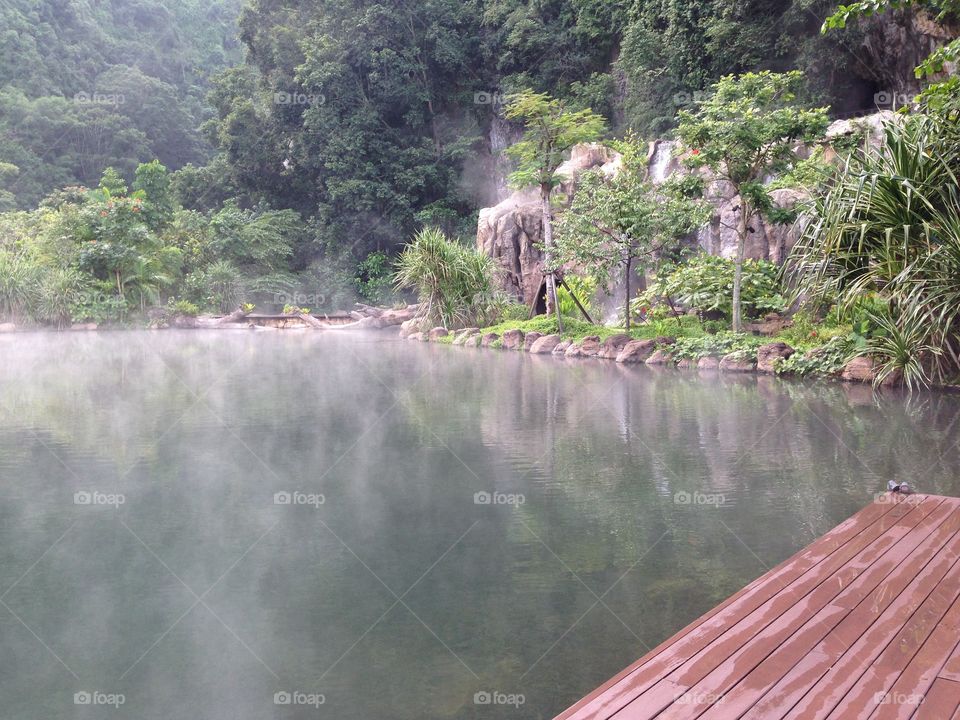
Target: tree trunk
(626, 307)
(738, 264)
(552, 303)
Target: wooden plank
(740, 649)
(942, 701)
(883, 671)
(623, 687)
(879, 584)
(908, 691)
(932, 561)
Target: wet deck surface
(863, 623)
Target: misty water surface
(148, 548)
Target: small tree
(745, 131)
(551, 129)
(614, 223)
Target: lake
(229, 524)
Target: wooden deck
(863, 623)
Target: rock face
(637, 351)
(545, 344)
(513, 340)
(511, 231)
(767, 355)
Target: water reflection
(624, 502)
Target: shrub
(705, 283)
(452, 281)
(723, 343)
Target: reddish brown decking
(863, 623)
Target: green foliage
(374, 278)
(889, 229)
(551, 128)
(747, 129)
(583, 287)
(827, 359)
(616, 224)
(705, 283)
(718, 345)
(84, 86)
(452, 282)
(183, 307)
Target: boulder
(371, 322)
(864, 369)
(545, 344)
(562, 347)
(660, 357)
(462, 335)
(736, 362)
(437, 333)
(770, 325)
(7, 327)
(637, 351)
(419, 336)
(687, 364)
(530, 338)
(408, 327)
(611, 347)
(489, 339)
(513, 340)
(473, 340)
(588, 347)
(708, 363)
(767, 356)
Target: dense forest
(288, 148)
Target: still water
(298, 525)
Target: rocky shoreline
(625, 349)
